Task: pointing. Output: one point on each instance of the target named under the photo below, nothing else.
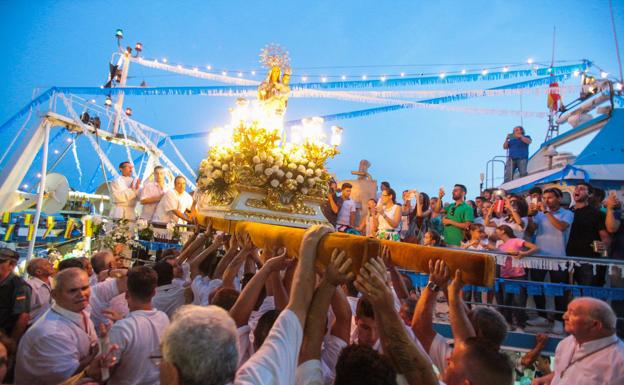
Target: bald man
(592, 354)
(40, 270)
(64, 341)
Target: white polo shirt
(275, 362)
(51, 350)
(40, 300)
(344, 215)
(138, 337)
(172, 200)
(202, 287)
(168, 298)
(150, 190)
(597, 362)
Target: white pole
(44, 171)
(125, 67)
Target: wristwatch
(433, 286)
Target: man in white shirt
(40, 270)
(174, 204)
(592, 354)
(169, 296)
(346, 215)
(124, 191)
(64, 341)
(108, 301)
(550, 223)
(138, 335)
(152, 193)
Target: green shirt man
(459, 212)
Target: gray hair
(202, 342)
(489, 324)
(601, 311)
(64, 275)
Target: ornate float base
(253, 204)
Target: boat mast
(553, 127)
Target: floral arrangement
(118, 232)
(145, 231)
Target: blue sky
(68, 43)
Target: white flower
(279, 173)
(275, 168)
(209, 181)
(225, 167)
(304, 190)
(292, 166)
(217, 164)
(279, 157)
(279, 163)
(299, 178)
(289, 175)
(309, 172)
(263, 156)
(227, 157)
(259, 167)
(209, 167)
(275, 183)
(311, 181)
(217, 174)
(311, 165)
(301, 168)
(256, 159)
(268, 171)
(270, 159)
(318, 172)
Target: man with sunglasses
(14, 297)
(459, 216)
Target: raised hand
(439, 273)
(338, 269)
(372, 284)
(386, 256)
(457, 284)
(279, 262)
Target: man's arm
(397, 282)
(20, 327)
(559, 225)
(531, 355)
(525, 139)
(460, 323)
(352, 219)
(337, 272)
(612, 224)
(196, 261)
(422, 321)
(342, 312)
(459, 225)
(395, 341)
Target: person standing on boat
(174, 205)
(124, 191)
(152, 193)
(517, 145)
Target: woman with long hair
(388, 219)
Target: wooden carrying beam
(477, 268)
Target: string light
(324, 79)
(549, 70)
(463, 72)
(383, 79)
(484, 72)
(253, 73)
(364, 77)
(304, 78)
(240, 74)
(343, 77)
(530, 60)
(179, 66)
(56, 152)
(25, 186)
(604, 74)
(164, 60)
(208, 68)
(402, 74)
(38, 175)
(69, 140)
(224, 73)
(92, 101)
(108, 102)
(128, 111)
(505, 69)
(442, 75)
(618, 86)
(576, 73)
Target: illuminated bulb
(56, 152)
(156, 61)
(505, 69)
(576, 73)
(164, 60)
(92, 100)
(195, 69)
(463, 72)
(530, 60)
(208, 68)
(69, 140)
(603, 74)
(304, 78)
(383, 78)
(25, 186)
(442, 75)
(128, 111)
(38, 175)
(224, 73)
(343, 77)
(240, 74)
(323, 79)
(364, 77)
(179, 66)
(138, 47)
(484, 72)
(108, 102)
(253, 73)
(549, 70)
(336, 137)
(618, 86)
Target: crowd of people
(519, 226)
(220, 311)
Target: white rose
(292, 166)
(217, 164)
(270, 159)
(203, 163)
(279, 173)
(268, 171)
(309, 172)
(259, 167)
(256, 159)
(279, 163)
(311, 182)
(304, 190)
(318, 172)
(225, 167)
(300, 179)
(263, 156)
(209, 167)
(289, 175)
(275, 168)
(301, 168)
(311, 165)
(217, 174)
(279, 157)
(227, 157)
(275, 183)
(209, 181)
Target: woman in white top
(388, 219)
(367, 224)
